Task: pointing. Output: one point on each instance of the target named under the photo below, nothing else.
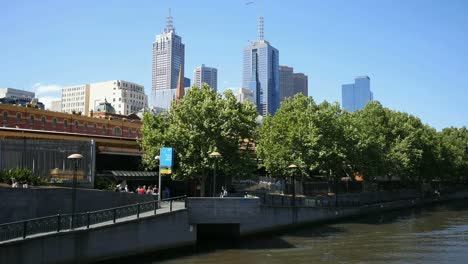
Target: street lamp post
(214, 155)
(293, 167)
(75, 158)
(158, 158)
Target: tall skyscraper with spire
(261, 73)
(168, 60)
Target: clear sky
(415, 52)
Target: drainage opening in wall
(209, 233)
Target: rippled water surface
(437, 234)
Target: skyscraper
(261, 73)
(355, 96)
(168, 60)
(286, 82)
(208, 75)
(301, 84)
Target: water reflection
(438, 234)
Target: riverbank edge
(343, 215)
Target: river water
(438, 234)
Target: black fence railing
(63, 222)
(341, 200)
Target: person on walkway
(150, 190)
(140, 190)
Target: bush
(21, 175)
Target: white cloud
(46, 89)
(47, 93)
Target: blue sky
(415, 52)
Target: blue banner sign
(166, 157)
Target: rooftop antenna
(169, 23)
(260, 28)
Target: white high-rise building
(125, 97)
(208, 75)
(355, 96)
(55, 106)
(16, 94)
(245, 94)
(76, 99)
(168, 60)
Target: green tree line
(321, 139)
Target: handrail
(62, 222)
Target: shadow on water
(260, 243)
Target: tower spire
(169, 23)
(260, 28)
(180, 92)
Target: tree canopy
(200, 123)
(376, 141)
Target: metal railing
(64, 222)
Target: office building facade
(261, 73)
(125, 97)
(245, 94)
(355, 96)
(286, 82)
(208, 75)
(168, 60)
(301, 84)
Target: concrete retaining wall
(223, 210)
(18, 203)
(158, 232)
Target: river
(436, 234)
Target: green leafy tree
(308, 135)
(200, 123)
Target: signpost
(166, 161)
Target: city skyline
(412, 51)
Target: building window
(65, 123)
(18, 117)
(43, 120)
(5, 116)
(31, 120)
(104, 129)
(76, 124)
(95, 127)
(85, 126)
(130, 132)
(54, 122)
(117, 131)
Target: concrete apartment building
(126, 97)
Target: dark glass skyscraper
(261, 73)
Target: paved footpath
(165, 208)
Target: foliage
(200, 123)
(102, 183)
(21, 175)
(375, 141)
